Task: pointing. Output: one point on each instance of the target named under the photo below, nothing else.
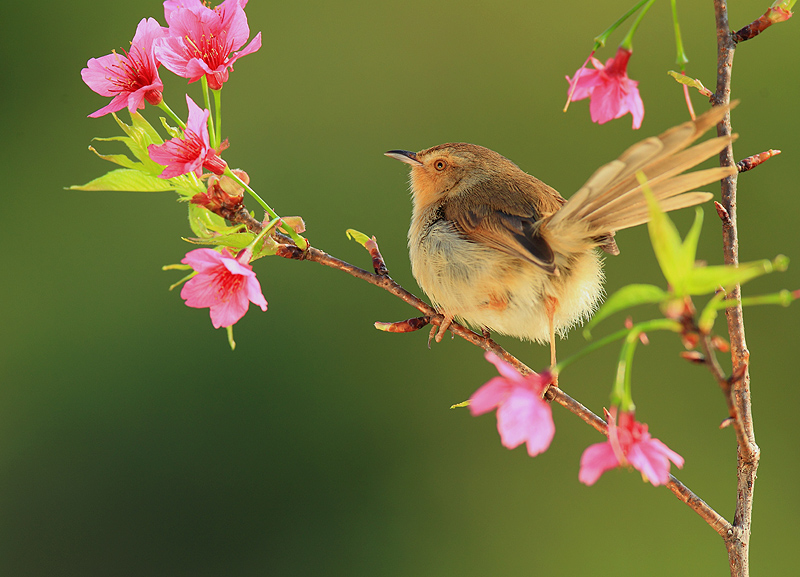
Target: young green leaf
(359, 237)
(707, 279)
(124, 179)
(205, 224)
(235, 240)
(666, 243)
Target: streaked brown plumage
(499, 249)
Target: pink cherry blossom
(204, 41)
(191, 153)
(628, 443)
(225, 284)
(522, 415)
(131, 78)
(612, 93)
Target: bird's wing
(507, 219)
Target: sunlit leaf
(359, 237)
(120, 159)
(124, 179)
(236, 240)
(171, 130)
(141, 135)
(692, 82)
(666, 243)
(689, 246)
(707, 279)
(626, 297)
(206, 224)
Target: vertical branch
(738, 539)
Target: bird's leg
(550, 309)
(437, 333)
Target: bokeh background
(134, 442)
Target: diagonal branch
(554, 394)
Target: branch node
(290, 251)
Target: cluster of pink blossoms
(523, 416)
(199, 42)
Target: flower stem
(163, 106)
(621, 395)
(218, 113)
(681, 58)
(207, 100)
(647, 326)
(299, 240)
(600, 41)
(627, 42)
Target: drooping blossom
(192, 152)
(612, 94)
(224, 283)
(204, 41)
(522, 415)
(628, 443)
(132, 77)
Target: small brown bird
(500, 250)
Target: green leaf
(691, 82)
(626, 297)
(120, 159)
(707, 279)
(206, 224)
(141, 135)
(171, 130)
(237, 240)
(359, 237)
(127, 180)
(666, 243)
(689, 246)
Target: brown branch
(553, 394)
(738, 539)
(709, 515)
(757, 26)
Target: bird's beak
(405, 156)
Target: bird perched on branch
(500, 250)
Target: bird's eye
(440, 165)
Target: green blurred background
(134, 442)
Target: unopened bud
(694, 357)
(720, 344)
(407, 326)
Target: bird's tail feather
(612, 198)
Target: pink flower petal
(652, 464)
(525, 418)
(596, 460)
(203, 259)
(505, 369)
(201, 291)
(254, 293)
(229, 311)
(489, 396)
